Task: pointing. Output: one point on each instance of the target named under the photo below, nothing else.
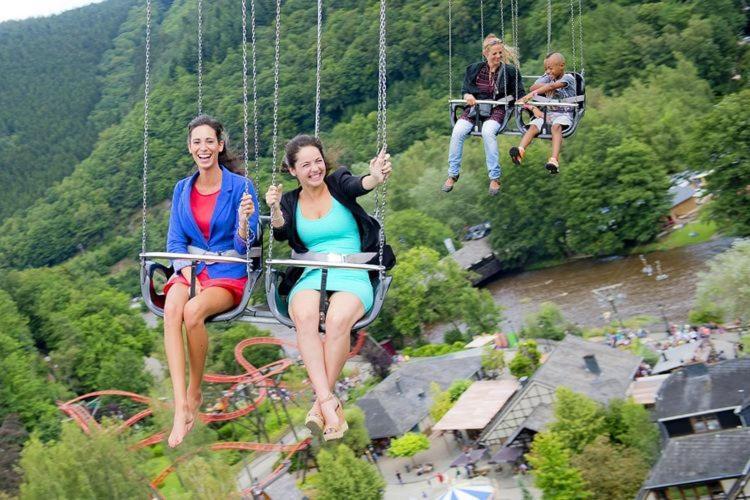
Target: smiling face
(205, 147)
(309, 167)
(554, 66)
(494, 53)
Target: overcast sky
(15, 9)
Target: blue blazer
(183, 230)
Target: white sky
(19, 9)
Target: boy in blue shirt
(554, 84)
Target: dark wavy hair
(227, 157)
(291, 150)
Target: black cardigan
(509, 78)
(345, 187)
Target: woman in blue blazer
(211, 213)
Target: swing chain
(318, 67)
(549, 26)
(382, 192)
(573, 36)
(146, 88)
(255, 87)
(200, 56)
(481, 17)
(450, 49)
(580, 35)
(248, 264)
(274, 140)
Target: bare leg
(176, 299)
(556, 140)
(344, 310)
(304, 312)
(208, 302)
(529, 136)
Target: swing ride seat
(457, 107)
(577, 103)
(279, 306)
(155, 299)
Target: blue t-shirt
(569, 90)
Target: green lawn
(690, 234)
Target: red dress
(202, 206)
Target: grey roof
(539, 418)
(473, 252)
(700, 457)
(681, 193)
(674, 357)
(691, 391)
(403, 399)
(565, 366)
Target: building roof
(699, 389)
(472, 252)
(680, 355)
(403, 399)
(566, 366)
(643, 390)
(480, 341)
(681, 193)
(478, 405)
(700, 457)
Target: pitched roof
(700, 388)
(680, 355)
(700, 457)
(473, 252)
(644, 389)
(681, 193)
(403, 399)
(477, 405)
(565, 366)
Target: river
(570, 286)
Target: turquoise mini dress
(335, 232)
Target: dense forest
(667, 93)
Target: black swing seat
(576, 103)
(278, 303)
(457, 107)
(155, 300)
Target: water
(570, 286)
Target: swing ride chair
(523, 116)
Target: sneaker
(517, 154)
(449, 183)
(552, 166)
(494, 189)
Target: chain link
(318, 68)
(514, 27)
(255, 90)
(580, 34)
(450, 49)
(549, 26)
(245, 155)
(502, 22)
(382, 192)
(481, 17)
(573, 36)
(200, 56)
(146, 88)
(274, 140)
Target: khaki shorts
(562, 119)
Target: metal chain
(502, 22)
(274, 140)
(245, 155)
(382, 192)
(514, 26)
(481, 17)
(580, 34)
(573, 35)
(450, 49)
(146, 88)
(200, 56)
(549, 26)
(255, 89)
(317, 69)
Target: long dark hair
(226, 157)
(291, 150)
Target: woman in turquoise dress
(323, 216)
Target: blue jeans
(460, 132)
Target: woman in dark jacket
(491, 79)
(322, 215)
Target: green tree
(342, 475)
(552, 469)
(493, 360)
(724, 284)
(356, 438)
(547, 323)
(408, 445)
(208, 477)
(81, 466)
(630, 424)
(410, 228)
(611, 471)
(724, 148)
(12, 437)
(578, 419)
(441, 402)
(526, 360)
(223, 343)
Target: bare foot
(179, 428)
(194, 408)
